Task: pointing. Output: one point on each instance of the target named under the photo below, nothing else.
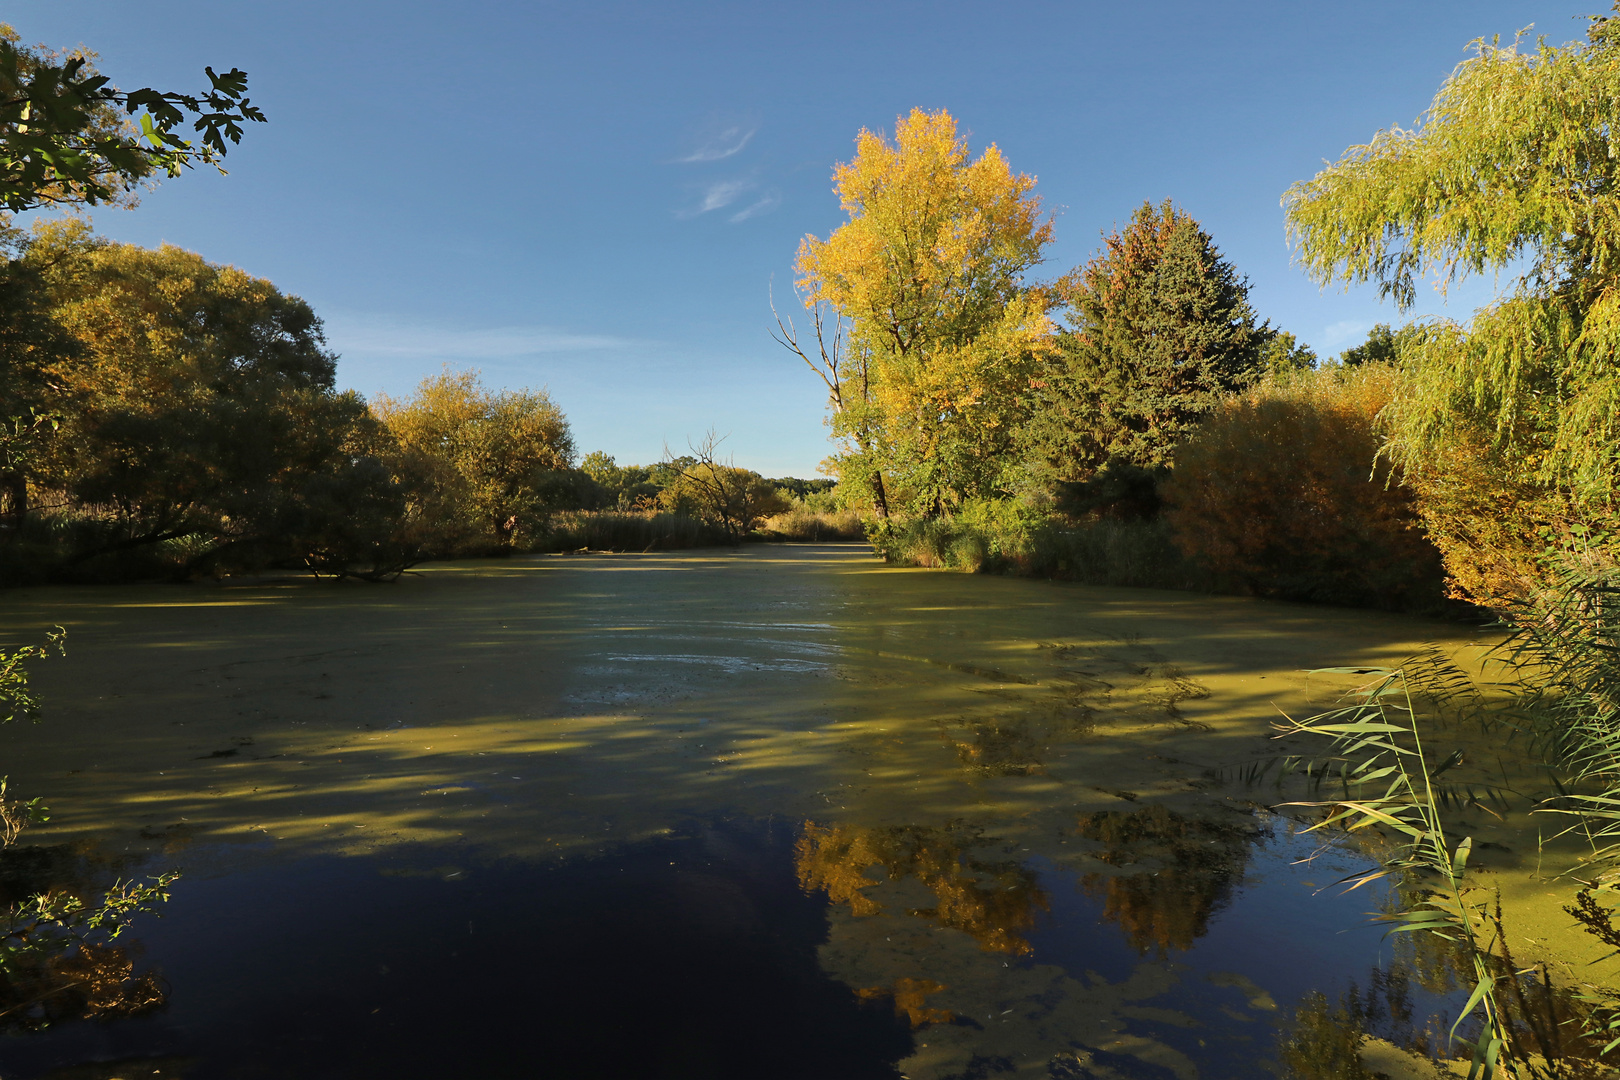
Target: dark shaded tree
(1160, 329)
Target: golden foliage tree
(505, 446)
(720, 493)
(928, 271)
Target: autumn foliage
(1282, 490)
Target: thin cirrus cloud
(1343, 333)
(378, 336)
(721, 145)
(717, 196)
(763, 205)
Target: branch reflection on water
(1198, 861)
(993, 902)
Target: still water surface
(782, 813)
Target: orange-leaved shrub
(1280, 492)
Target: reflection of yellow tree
(1171, 908)
(909, 997)
(993, 902)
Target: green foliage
(16, 700)
(1512, 161)
(1162, 329)
(1383, 346)
(1284, 355)
(629, 487)
(66, 136)
(735, 500)
(1117, 490)
(1566, 644)
(628, 530)
(1280, 490)
(196, 406)
(1003, 536)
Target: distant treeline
(165, 416)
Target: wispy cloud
(381, 336)
(763, 205)
(717, 196)
(1340, 334)
(721, 145)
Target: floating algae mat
(781, 812)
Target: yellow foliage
(928, 270)
(994, 903)
(503, 445)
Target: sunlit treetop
(69, 137)
(935, 243)
(1517, 158)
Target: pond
(777, 812)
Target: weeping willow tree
(1507, 426)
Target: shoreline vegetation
(1133, 422)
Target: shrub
(629, 530)
(1280, 492)
(1005, 536)
(802, 523)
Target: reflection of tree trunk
(14, 497)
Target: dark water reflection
(686, 956)
(703, 954)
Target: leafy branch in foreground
(1377, 737)
(56, 941)
(66, 137)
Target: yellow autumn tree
(506, 447)
(928, 272)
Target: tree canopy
(943, 330)
(1161, 328)
(507, 446)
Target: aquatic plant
(56, 953)
(1376, 736)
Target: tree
(505, 445)
(856, 420)
(197, 406)
(35, 351)
(68, 137)
(1161, 330)
(1521, 407)
(1379, 348)
(929, 380)
(1284, 353)
(719, 492)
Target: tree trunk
(880, 499)
(14, 497)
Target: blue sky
(596, 197)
